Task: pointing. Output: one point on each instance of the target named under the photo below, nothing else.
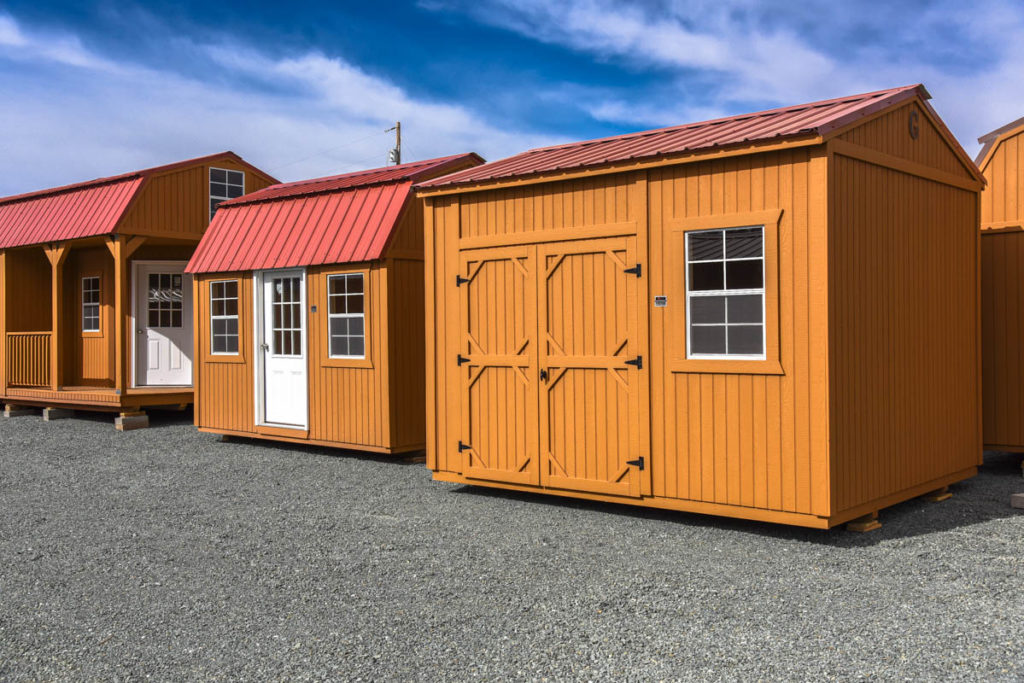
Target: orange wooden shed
(771, 316)
(95, 309)
(309, 315)
(1002, 286)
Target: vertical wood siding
(406, 365)
(748, 440)
(92, 359)
(531, 214)
(27, 294)
(224, 384)
(890, 133)
(1002, 296)
(1002, 201)
(903, 329)
(177, 204)
(347, 403)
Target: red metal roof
(815, 118)
(339, 219)
(87, 212)
(88, 209)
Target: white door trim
(134, 310)
(259, 322)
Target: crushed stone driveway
(166, 554)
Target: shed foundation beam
(127, 421)
(1017, 500)
(13, 410)
(51, 414)
(868, 522)
(938, 495)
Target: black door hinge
(459, 280)
(466, 447)
(639, 462)
(462, 359)
(638, 362)
(635, 270)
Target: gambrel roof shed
(88, 209)
(338, 219)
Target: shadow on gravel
(158, 419)
(983, 498)
(412, 458)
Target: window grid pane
(225, 184)
(725, 292)
(90, 304)
(346, 315)
(286, 322)
(224, 317)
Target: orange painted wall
(177, 203)
(903, 331)
(1002, 293)
(350, 401)
(831, 426)
(91, 354)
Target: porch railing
(28, 359)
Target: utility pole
(395, 155)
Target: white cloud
(78, 115)
(716, 57)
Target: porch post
(57, 256)
(117, 250)
(121, 250)
(3, 322)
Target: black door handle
(544, 375)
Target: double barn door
(551, 366)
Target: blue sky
(304, 89)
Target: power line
(323, 152)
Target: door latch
(638, 362)
(638, 463)
(544, 375)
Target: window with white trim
(224, 317)
(90, 304)
(725, 300)
(346, 316)
(225, 184)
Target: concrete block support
(125, 422)
(12, 410)
(51, 414)
(1017, 500)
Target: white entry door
(282, 347)
(163, 324)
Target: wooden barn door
(497, 362)
(592, 342)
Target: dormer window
(225, 184)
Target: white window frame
(331, 316)
(238, 332)
(209, 186)
(690, 295)
(98, 305)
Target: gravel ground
(165, 554)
